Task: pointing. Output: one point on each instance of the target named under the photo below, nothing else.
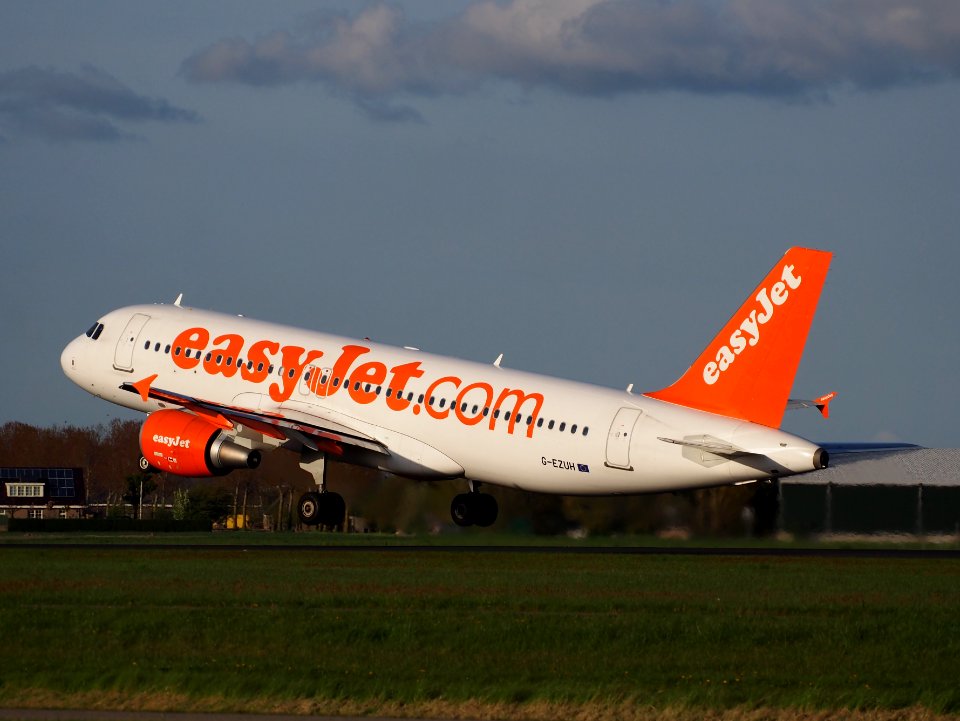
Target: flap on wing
(310, 430)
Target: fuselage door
(313, 381)
(618, 440)
(123, 358)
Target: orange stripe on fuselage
(195, 352)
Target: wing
(297, 426)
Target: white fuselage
(506, 427)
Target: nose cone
(69, 358)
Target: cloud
(63, 106)
(765, 48)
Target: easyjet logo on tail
(747, 370)
(748, 334)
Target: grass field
(476, 634)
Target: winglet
(747, 370)
(143, 386)
(823, 403)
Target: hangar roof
(901, 467)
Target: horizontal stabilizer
(717, 447)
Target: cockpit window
(95, 330)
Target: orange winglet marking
(823, 403)
(143, 386)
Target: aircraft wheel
(462, 509)
(485, 509)
(332, 509)
(308, 508)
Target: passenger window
(563, 425)
(550, 426)
(586, 430)
(167, 349)
(573, 428)
(156, 348)
(176, 351)
(98, 331)
(540, 423)
(443, 402)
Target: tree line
(108, 454)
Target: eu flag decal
(583, 468)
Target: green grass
(467, 537)
(406, 627)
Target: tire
(462, 510)
(485, 509)
(308, 508)
(332, 509)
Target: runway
(734, 552)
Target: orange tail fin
(747, 370)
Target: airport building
(41, 492)
(908, 491)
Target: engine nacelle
(189, 445)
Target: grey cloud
(767, 48)
(63, 106)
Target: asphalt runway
(743, 552)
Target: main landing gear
(320, 507)
(474, 508)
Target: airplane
(220, 390)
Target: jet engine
(189, 445)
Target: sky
(590, 187)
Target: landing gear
(145, 466)
(474, 509)
(321, 509)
